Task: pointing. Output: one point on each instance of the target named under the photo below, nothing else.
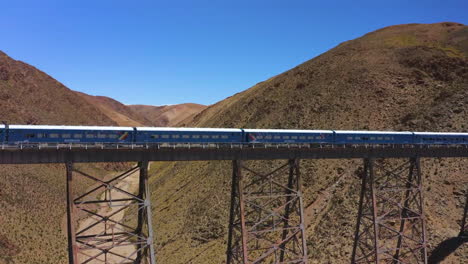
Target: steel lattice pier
(267, 221)
(106, 233)
(391, 222)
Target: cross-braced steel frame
(267, 220)
(100, 227)
(391, 222)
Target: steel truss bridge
(266, 223)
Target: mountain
(118, 112)
(168, 115)
(404, 77)
(144, 115)
(30, 96)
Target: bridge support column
(391, 222)
(464, 222)
(267, 218)
(109, 224)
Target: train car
(373, 137)
(69, 134)
(279, 136)
(435, 138)
(188, 135)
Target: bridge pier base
(391, 222)
(267, 220)
(108, 224)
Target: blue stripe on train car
(440, 138)
(188, 136)
(288, 136)
(69, 136)
(373, 137)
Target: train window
(175, 136)
(154, 136)
(379, 138)
(259, 137)
(195, 136)
(318, 137)
(268, 137)
(66, 135)
(357, 138)
(293, 137)
(285, 137)
(349, 138)
(90, 136)
(185, 136)
(101, 135)
(310, 137)
(114, 136)
(165, 136)
(77, 135)
(30, 135)
(215, 136)
(277, 137)
(41, 135)
(54, 135)
(224, 136)
(205, 136)
(372, 138)
(302, 137)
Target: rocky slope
(405, 77)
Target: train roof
(286, 131)
(188, 129)
(70, 127)
(373, 132)
(441, 133)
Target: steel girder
(391, 222)
(267, 220)
(100, 227)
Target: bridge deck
(118, 153)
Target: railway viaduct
(266, 223)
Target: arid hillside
(168, 115)
(118, 112)
(30, 96)
(32, 197)
(405, 77)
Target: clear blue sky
(168, 52)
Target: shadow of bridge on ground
(445, 248)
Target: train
(46, 134)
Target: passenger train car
(33, 134)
